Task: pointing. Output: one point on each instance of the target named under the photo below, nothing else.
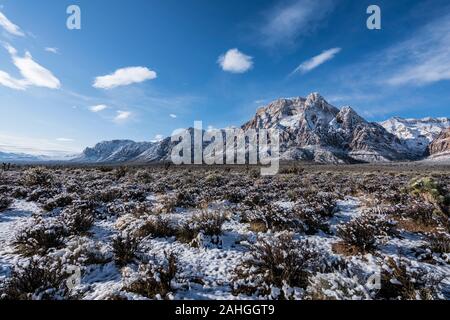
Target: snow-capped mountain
(311, 129)
(315, 130)
(417, 133)
(114, 151)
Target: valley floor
(149, 233)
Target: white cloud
(33, 73)
(158, 137)
(316, 61)
(122, 116)
(10, 82)
(173, 116)
(98, 108)
(9, 26)
(284, 24)
(124, 77)
(52, 50)
(64, 140)
(422, 59)
(235, 61)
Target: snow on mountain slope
(313, 129)
(417, 133)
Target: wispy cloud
(424, 58)
(65, 140)
(98, 108)
(173, 116)
(316, 61)
(10, 27)
(33, 73)
(124, 77)
(287, 22)
(158, 138)
(235, 61)
(52, 50)
(122, 116)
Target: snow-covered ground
(207, 264)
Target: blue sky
(140, 69)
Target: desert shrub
(124, 248)
(312, 221)
(422, 213)
(168, 204)
(432, 191)
(186, 199)
(274, 218)
(120, 172)
(79, 217)
(5, 203)
(235, 196)
(154, 281)
(19, 192)
(156, 226)
(213, 179)
(439, 243)
(337, 286)
(143, 176)
(39, 279)
(400, 280)
(275, 267)
(108, 195)
(39, 237)
(134, 195)
(364, 231)
(60, 201)
(38, 176)
(207, 223)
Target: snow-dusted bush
(206, 222)
(124, 248)
(38, 279)
(5, 202)
(278, 267)
(400, 280)
(78, 218)
(154, 280)
(311, 220)
(156, 226)
(40, 236)
(59, 201)
(273, 218)
(364, 231)
(38, 176)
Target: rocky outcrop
(441, 145)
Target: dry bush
(312, 221)
(60, 201)
(431, 191)
(156, 226)
(272, 218)
(38, 176)
(39, 237)
(399, 280)
(5, 203)
(364, 231)
(124, 249)
(39, 279)
(207, 223)
(79, 217)
(439, 243)
(120, 172)
(155, 280)
(276, 263)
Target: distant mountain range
(312, 130)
